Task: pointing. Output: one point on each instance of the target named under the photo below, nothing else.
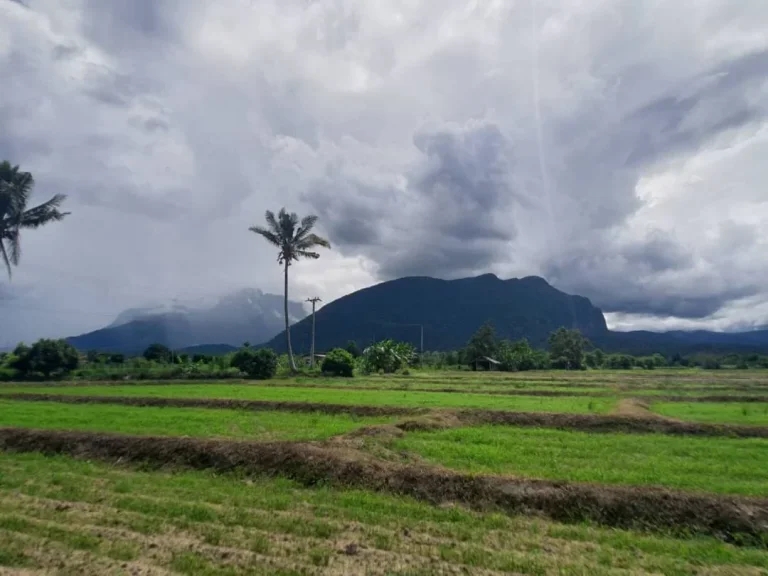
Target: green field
(750, 414)
(97, 519)
(335, 396)
(195, 422)
(724, 465)
(70, 516)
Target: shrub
(258, 364)
(158, 353)
(387, 357)
(338, 362)
(47, 358)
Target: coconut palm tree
(294, 240)
(15, 190)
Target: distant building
(486, 363)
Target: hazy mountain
(450, 312)
(246, 315)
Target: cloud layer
(614, 147)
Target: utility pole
(314, 301)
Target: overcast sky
(618, 148)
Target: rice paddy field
(596, 472)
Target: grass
(722, 465)
(333, 396)
(200, 422)
(752, 414)
(64, 515)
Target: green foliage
(259, 364)
(387, 356)
(339, 362)
(157, 353)
(482, 343)
(517, 356)
(45, 358)
(594, 359)
(566, 348)
(15, 190)
(353, 349)
(619, 362)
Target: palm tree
(294, 240)
(15, 190)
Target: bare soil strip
(426, 419)
(630, 424)
(741, 520)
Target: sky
(616, 148)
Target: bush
(158, 353)
(339, 362)
(387, 357)
(47, 358)
(258, 364)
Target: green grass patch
(198, 422)
(236, 506)
(333, 396)
(723, 465)
(750, 414)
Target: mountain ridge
(450, 311)
(246, 315)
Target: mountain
(246, 315)
(450, 311)
(642, 342)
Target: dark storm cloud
(646, 277)
(686, 119)
(451, 219)
(614, 148)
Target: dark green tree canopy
(482, 343)
(15, 190)
(46, 357)
(566, 347)
(158, 353)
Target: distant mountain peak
(248, 314)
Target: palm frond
(15, 241)
(307, 223)
(269, 235)
(311, 241)
(269, 216)
(19, 183)
(39, 215)
(306, 254)
(4, 254)
(288, 222)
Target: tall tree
(567, 348)
(482, 343)
(15, 190)
(294, 241)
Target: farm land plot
(99, 519)
(422, 399)
(197, 514)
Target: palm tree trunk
(287, 322)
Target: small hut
(318, 359)
(486, 363)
